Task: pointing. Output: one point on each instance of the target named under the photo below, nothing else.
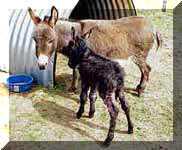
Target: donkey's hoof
(139, 90)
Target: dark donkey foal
(102, 74)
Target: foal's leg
(92, 97)
(113, 112)
(126, 108)
(83, 99)
(74, 82)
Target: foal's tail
(159, 40)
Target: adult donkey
(122, 38)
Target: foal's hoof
(72, 89)
(130, 131)
(106, 143)
(78, 115)
(91, 115)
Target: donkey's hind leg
(145, 70)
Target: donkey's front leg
(83, 99)
(74, 82)
(92, 97)
(113, 112)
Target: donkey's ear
(35, 18)
(54, 16)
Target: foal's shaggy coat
(104, 75)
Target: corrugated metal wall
(22, 47)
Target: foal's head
(75, 49)
(45, 36)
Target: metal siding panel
(12, 49)
(18, 54)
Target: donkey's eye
(50, 41)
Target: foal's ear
(87, 28)
(87, 34)
(54, 16)
(73, 33)
(35, 18)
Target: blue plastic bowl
(19, 83)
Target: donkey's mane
(68, 19)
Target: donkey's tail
(159, 40)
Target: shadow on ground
(66, 117)
(65, 80)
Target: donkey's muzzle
(42, 67)
(42, 61)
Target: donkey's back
(123, 38)
(120, 38)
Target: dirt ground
(49, 115)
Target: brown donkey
(122, 38)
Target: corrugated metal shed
(103, 9)
(22, 47)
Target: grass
(46, 114)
